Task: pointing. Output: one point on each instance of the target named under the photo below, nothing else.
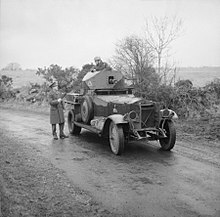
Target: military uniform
(56, 113)
(102, 65)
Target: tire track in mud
(143, 181)
(202, 153)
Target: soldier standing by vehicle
(56, 111)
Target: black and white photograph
(109, 108)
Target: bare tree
(133, 57)
(160, 33)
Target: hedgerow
(188, 101)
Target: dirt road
(144, 181)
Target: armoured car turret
(106, 79)
(108, 108)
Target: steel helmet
(97, 58)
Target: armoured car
(108, 107)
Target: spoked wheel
(116, 138)
(168, 143)
(87, 110)
(73, 129)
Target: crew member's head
(97, 60)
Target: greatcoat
(56, 108)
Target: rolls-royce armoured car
(108, 107)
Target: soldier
(56, 111)
(100, 65)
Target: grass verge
(31, 186)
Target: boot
(54, 133)
(62, 135)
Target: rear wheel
(170, 131)
(116, 138)
(73, 129)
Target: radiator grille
(147, 115)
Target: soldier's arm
(52, 100)
(108, 67)
(63, 95)
(105, 66)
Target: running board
(88, 127)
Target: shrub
(64, 77)
(6, 90)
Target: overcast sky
(37, 33)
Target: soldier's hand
(59, 100)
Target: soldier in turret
(100, 65)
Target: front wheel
(116, 138)
(73, 129)
(168, 143)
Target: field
(200, 76)
(22, 77)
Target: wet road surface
(144, 181)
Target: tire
(116, 138)
(168, 143)
(73, 129)
(87, 110)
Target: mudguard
(168, 114)
(116, 118)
